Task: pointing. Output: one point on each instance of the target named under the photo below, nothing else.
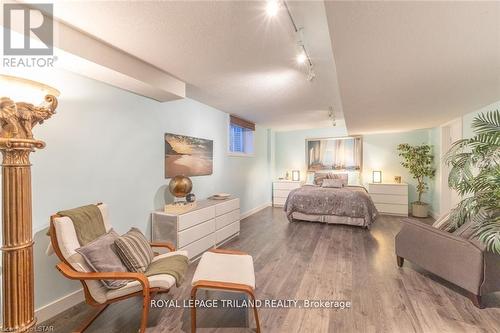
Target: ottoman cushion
(221, 267)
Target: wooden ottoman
(226, 270)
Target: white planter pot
(419, 209)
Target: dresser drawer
(195, 217)
(281, 193)
(227, 206)
(392, 209)
(227, 231)
(389, 198)
(388, 189)
(199, 246)
(279, 201)
(226, 219)
(188, 236)
(285, 185)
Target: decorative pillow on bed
(319, 177)
(342, 176)
(335, 183)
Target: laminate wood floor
(305, 260)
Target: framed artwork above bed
(338, 154)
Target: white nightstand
(281, 189)
(390, 198)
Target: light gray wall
(380, 153)
(106, 144)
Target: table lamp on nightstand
(377, 176)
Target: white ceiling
(231, 55)
(384, 66)
(406, 65)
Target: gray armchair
(462, 262)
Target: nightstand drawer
(286, 185)
(388, 189)
(389, 198)
(281, 193)
(279, 201)
(392, 209)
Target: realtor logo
(34, 23)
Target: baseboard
(59, 305)
(255, 210)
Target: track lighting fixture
(302, 57)
(331, 116)
(272, 8)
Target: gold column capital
(17, 119)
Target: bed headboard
(352, 177)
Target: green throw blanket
(175, 265)
(88, 222)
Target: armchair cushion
(163, 281)
(102, 294)
(134, 250)
(96, 288)
(101, 256)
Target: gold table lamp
(16, 143)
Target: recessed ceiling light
(301, 58)
(272, 8)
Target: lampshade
(24, 90)
(377, 176)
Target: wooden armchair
(72, 266)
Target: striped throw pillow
(134, 250)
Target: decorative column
(16, 144)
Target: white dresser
(390, 198)
(281, 189)
(209, 224)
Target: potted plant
(475, 175)
(418, 161)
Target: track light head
(301, 58)
(272, 8)
(331, 115)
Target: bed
(349, 205)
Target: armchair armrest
(451, 257)
(72, 274)
(166, 245)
